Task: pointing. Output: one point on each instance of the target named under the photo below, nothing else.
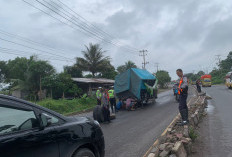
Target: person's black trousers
(113, 104)
(199, 88)
(106, 113)
(183, 108)
(98, 101)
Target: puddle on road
(210, 108)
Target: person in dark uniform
(105, 104)
(183, 94)
(198, 86)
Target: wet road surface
(216, 129)
(133, 132)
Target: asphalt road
(133, 132)
(216, 129)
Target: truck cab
(206, 80)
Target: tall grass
(65, 107)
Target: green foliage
(65, 107)
(192, 134)
(194, 77)
(93, 61)
(227, 63)
(219, 74)
(74, 71)
(24, 74)
(108, 72)
(3, 70)
(60, 85)
(163, 78)
(126, 66)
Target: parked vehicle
(206, 80)
(138, 84)
(29, 130)
(229, 80)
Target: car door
(21, 134)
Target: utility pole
(143, 54)
(157, 67)
(219, 61)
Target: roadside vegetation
(218, 73)
(67, 107)
(39, 82)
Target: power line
(143, 54)
(33, 42)
(31, 47)
(32, 53)
(81, 28)
(91, 25)
(20, 54)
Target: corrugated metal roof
(93, 80)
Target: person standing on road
(112, 99)
(198, 86)
(105, 104)
(99, 95)
(183, 94)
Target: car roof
(12, 98)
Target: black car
(29, 130)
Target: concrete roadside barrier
(176, 141)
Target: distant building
(90, 85)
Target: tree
(61, 85)
(25, 74)
(200, 73)
(227, 63)
(74, 71)
(163, 78)
(126, 66)
(3, 70)
(108, 72)
(93, 60)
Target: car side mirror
(46, 120)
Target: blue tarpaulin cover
(132, 81)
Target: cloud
(177, 34)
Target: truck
(138, 84)
(206, 80)
(228, 80)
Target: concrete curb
(175, 141)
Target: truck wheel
(84, 152)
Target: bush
(192, 134)
(65, 107)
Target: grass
(67, 107)
(192, 134)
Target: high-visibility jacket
(98, 94)
(183, 85)
(111, 93)
(179, 89)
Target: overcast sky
(176, 33)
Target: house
(90, 85)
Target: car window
(13, 120)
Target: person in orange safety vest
(183, 94)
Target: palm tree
(126, 66)
(93, 60)
(130, 64)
